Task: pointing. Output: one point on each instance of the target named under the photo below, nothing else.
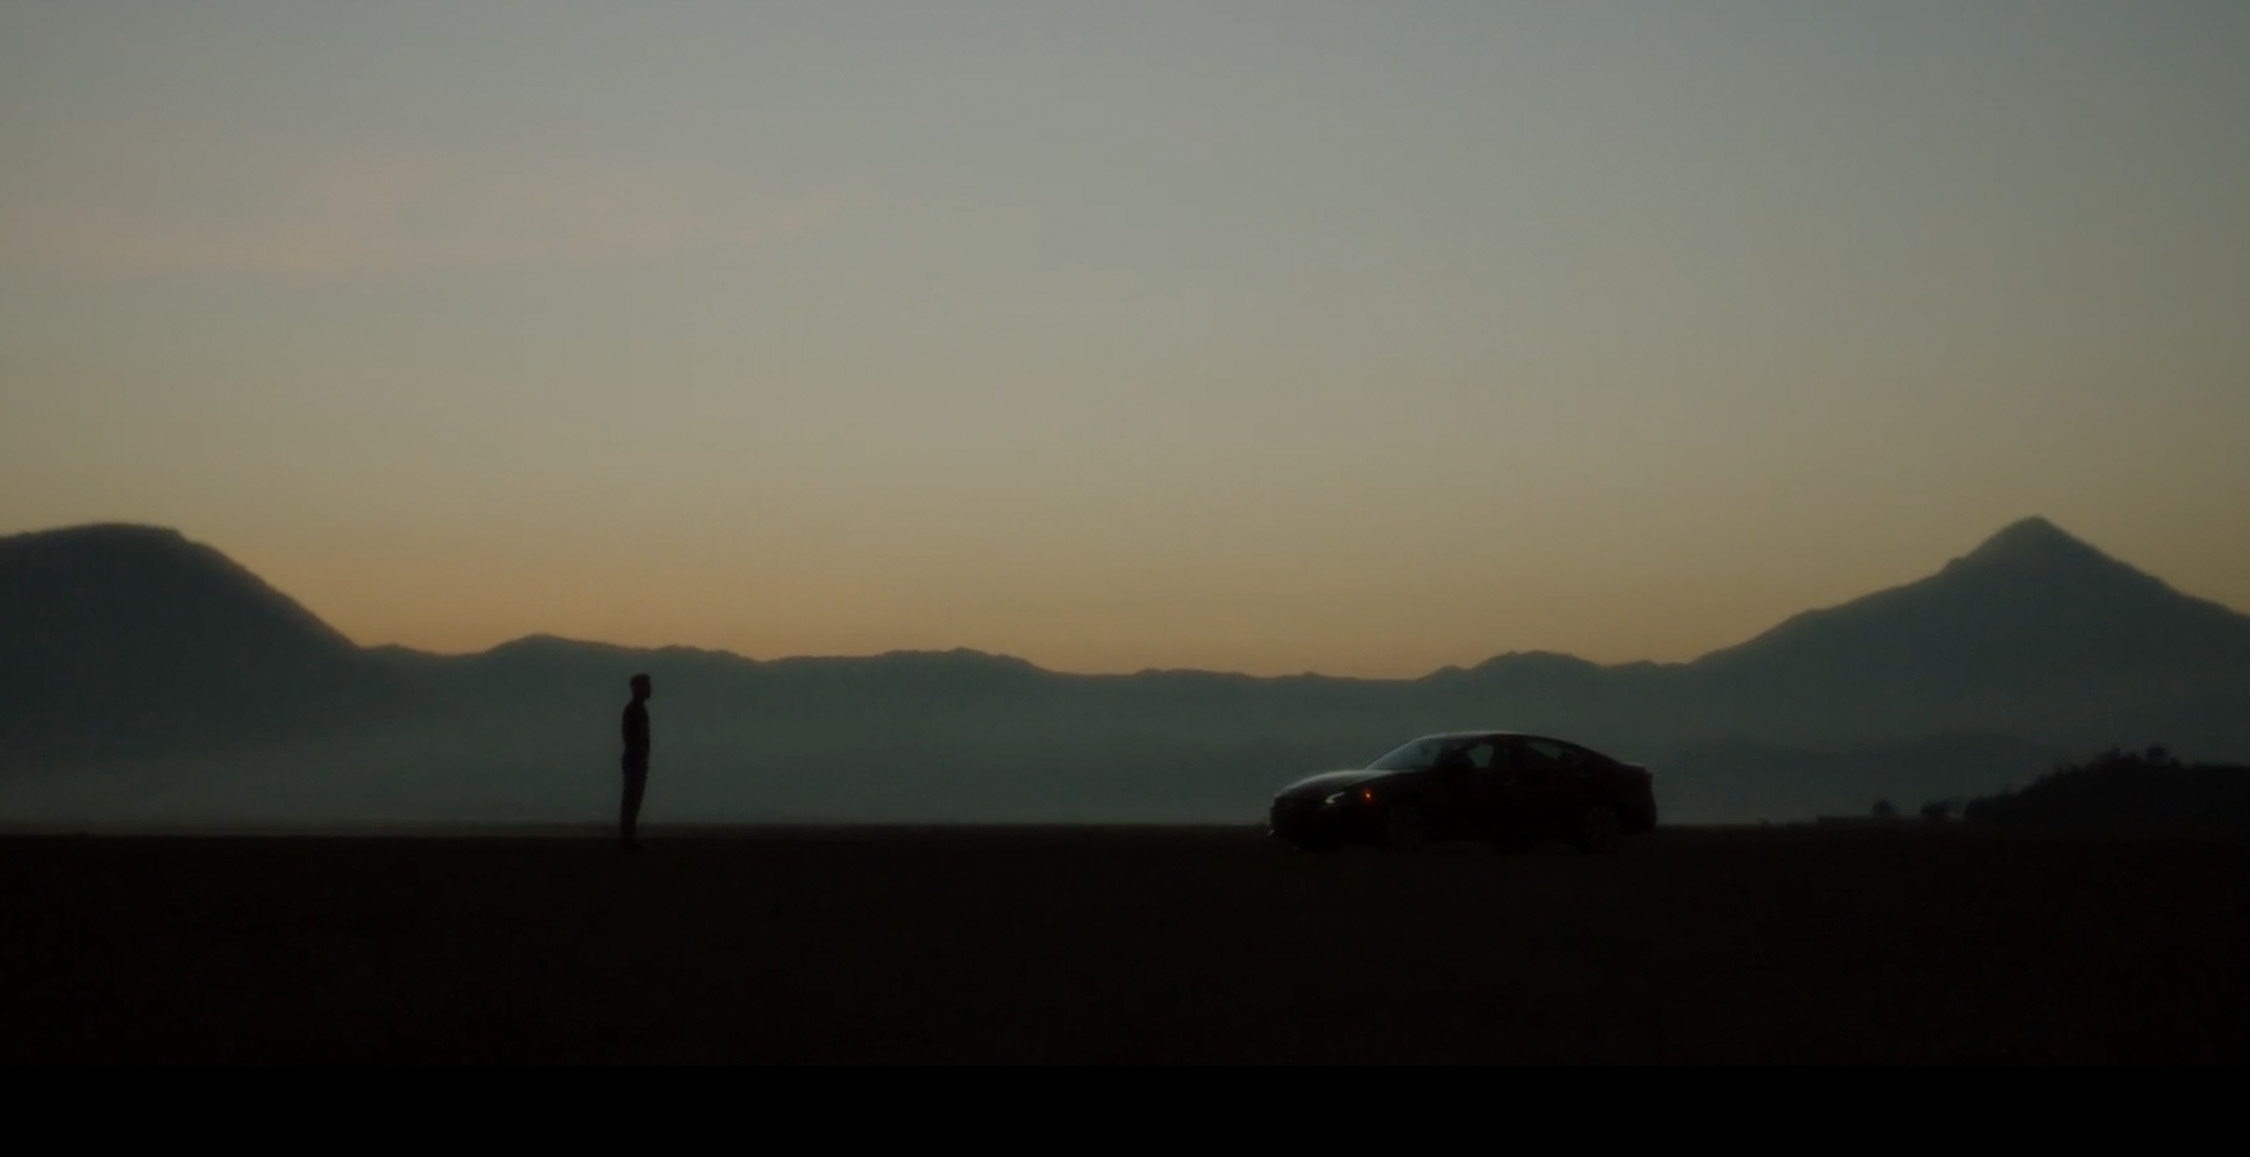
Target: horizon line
(2013, 530)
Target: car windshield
(1419, 755)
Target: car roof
(1497, 734)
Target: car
(1509, 789)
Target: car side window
(1466, 757)
(1483, 756)
(1529, 762)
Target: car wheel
(1404, 828)
(1599, 832)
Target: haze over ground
(148, 678)
(1269, 337)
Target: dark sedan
(1505, 788)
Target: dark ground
(1781, 945)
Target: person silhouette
(634, 763)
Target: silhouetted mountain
(127, 639)
(2030, 628)
(131, 641)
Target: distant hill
(1713, 782)
(133, 640)
(2119, 790)
(121, 643)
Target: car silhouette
(1506, 788)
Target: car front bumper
(1310, 819)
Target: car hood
(1332, 781)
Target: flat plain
(1783, 945)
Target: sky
(1263, 335)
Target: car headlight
(1337, 799)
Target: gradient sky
(1269, 335)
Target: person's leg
(629, 815)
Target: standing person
(635, 763)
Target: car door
(1538, 788)
(1463, 791)
(1586, 774)
(1479, 804)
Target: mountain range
(148, 677)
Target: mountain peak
(2033, 542)
(126, 579)
(121, 637)
(102, 533)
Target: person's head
(640, 687)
